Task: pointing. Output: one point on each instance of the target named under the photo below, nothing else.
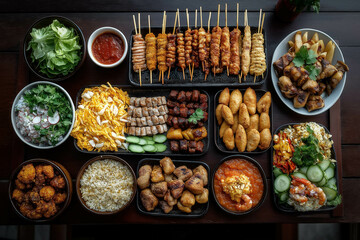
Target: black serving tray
(176, 75)
(285, 207)
(219, 142)
(139, 92)
(198, 210)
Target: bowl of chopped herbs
(54, 48)
(43, 115)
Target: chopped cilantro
(196, 116)
(306, 58)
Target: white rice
(106, 185)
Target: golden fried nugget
(244, 117)
(240, 138)
(264, 121)
(223, 127)
(250, 100)
(253, 140)
(218, 113)
(264, 103)
(229, 139)
(227, 115)
(27, 173)
(224, 97)
(265, 139)
(235, 100)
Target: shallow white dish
(100, 31)
(13, 114)
(329, 100)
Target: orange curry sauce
(238, 166)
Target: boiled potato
(224, 97)
(240, 138)
(265, 139)
(222, 129)
(235, 100)
(264, 121)
(218, 113)
(236, 122)
(254, 122)
(228, 139)
(244, 117)
(253, 140)
(227, 115)
(250, 100)
(264, 103)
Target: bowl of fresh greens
(43, 115)
(54, 48)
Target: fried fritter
(27, 173)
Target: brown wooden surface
(342, 119)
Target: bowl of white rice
(106, 185)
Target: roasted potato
(240, 138)
(264, 103)
(224, 97)
(223, 127)
(235, 100)
(174, 134)
(244, 117)
(305, 37)
(315, 37)
(329, 49)
(227, 115)
(253, 140)
(298, 41)
(264, 121)
(265, 139)
(250, 100)
(218, 113)
(228, 139)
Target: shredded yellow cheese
(100, 119)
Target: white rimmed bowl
(13, 114)
(329, 100)
(97, 33)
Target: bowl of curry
(239, 185)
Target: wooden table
(340, 21)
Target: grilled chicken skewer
(207, 61)
(235, 36)
(202, 41)
(171, 48)
(180, 48)
(151, 61)
(138, 51)
(195, 47)
(188, 44)
(245, 54)
(215, 46)
(161, 50)
(225, 45)
(258, 58)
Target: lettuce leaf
(55, 49)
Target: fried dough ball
(27, 174)
(47, 209)
(47, 193)
(48, 170)
(19, 184)
(18, 195)
(58, 182)
(59, 198)
(28, 211)
(33, 197)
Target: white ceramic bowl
(329, 100)
(13, 114)
(100, 31)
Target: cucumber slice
(147, 138)
(314, 174)
(282, 183)
(277, 172)
(135, 148)
(331, 183)
(283, 197)
(142, 142)
(299, 175)
(159, 138)
(160, 147)
(330, 193)
(324, 164)
(149, 148)
(304, 169)
(150, 142)
(329, 172)
(322, 182)
(133, 139)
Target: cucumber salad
(43, 115)
(303, 167)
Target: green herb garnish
(55, 49)
(306, 58)
(50, 98)
(196, 116)
(309, 153)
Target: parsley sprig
(306, 58)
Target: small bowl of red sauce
(239, 185)
(107, 47)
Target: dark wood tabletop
(339, 19)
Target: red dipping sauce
(108, 48)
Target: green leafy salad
(55, 49)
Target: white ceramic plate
(329, 100)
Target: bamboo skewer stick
(218, 19)
(140, 34)
(208, 32)
(227, 67)
(201, 26)
(176, 16)
(192, 71)
(188, 25)
(150, 32)
(237, 26)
